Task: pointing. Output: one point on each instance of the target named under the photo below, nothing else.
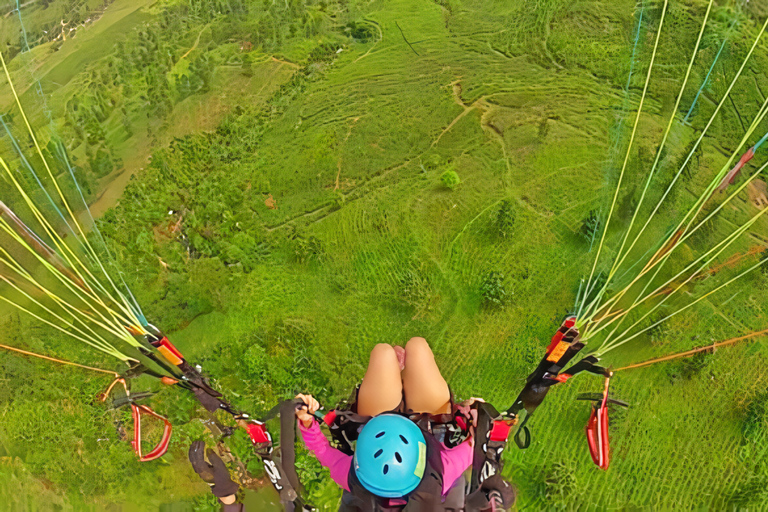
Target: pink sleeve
(336, 461)
(455, 462)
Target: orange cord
(25, 352)
(694, 351)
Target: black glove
(215, 474)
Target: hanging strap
(597, 431)
(565, 345)
(487, 489)
(588, 364)
(137, 411)
(280, 465)
(162, 447)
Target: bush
(306, 249)
(763, 257)
(560, 483)
(492, 290)
(505, 219)
(750, 494)
(450, 179)
(689, 367)
(363, 32)
(255, 360)
(756, 417)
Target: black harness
(564, 347)
(485, 491)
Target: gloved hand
(214, 473)
(305, 413)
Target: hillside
(285, 208)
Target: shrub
(492, 290)
(363, 32)
(756, 417)
(689, 367)
(450, 179)
(306, 249)
(560, 483)
(750, 494)
(763, 257)
(255, 360)
(505, 219)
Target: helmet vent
(380, 434)
(403, 439)
(378, 454)
(399, 458)
(386, 468)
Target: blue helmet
(390, 456)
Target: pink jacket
(455, 460)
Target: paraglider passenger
(395, 463)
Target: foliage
(561, 483)
(306, 249)
(361, 31)
(755, 420)
(492, 290)
(688, 367)
(505, 219)
(450, 179)
(764, 257)
(272, 301)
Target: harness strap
(523, 434)
(280, 466)
(288, 442)
(588, 364)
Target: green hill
(294, 213)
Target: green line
(631, 141)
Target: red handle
(162, 447)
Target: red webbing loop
(165, 342)
(137, 411)
(258, 433)
(597, 432)
(162, 447)
(330, 417)
(500, 431)
(567, 325)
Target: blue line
(34, 174)
(711, 68)
(23, 30)
(63, 157)
(634, 48)
(760, 142)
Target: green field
(531, 103)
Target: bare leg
(382, 387)
(425, 388)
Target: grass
(366, 245)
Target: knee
(418, 347)
(383, 354)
